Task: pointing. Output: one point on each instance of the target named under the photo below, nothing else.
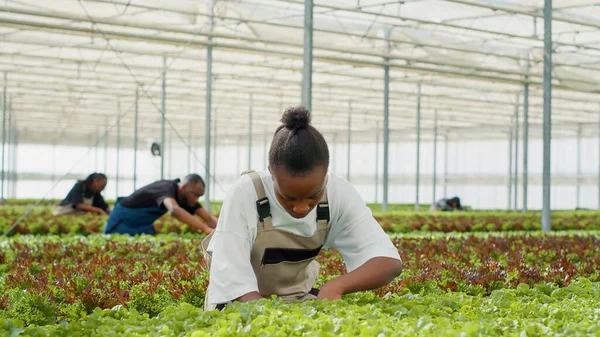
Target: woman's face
(299, 193)
(98, 185)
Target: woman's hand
(330, 291)
(373, 274)
(91, 209)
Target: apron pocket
(278, 255)
(288, 279)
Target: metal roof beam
(411, 68)
(533, 13)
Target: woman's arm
(375, 273)
(371, 258)
(251, 296)
(100, 203)
(232, 277)
(91, 209)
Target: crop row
(42, 222)
(485, 221)
(48, 279)
(542, 310)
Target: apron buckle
(263, 208)
(323, 211)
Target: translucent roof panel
(73, 67)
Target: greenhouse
(489, 108)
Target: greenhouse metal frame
(76, 70)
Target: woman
(85, 197)
(273, 225)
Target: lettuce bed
(525, 311)
(42, 222)
(50, 280)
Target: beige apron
(68, 209)
(283, 262)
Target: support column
(525, 146)
(3, 138)
(418, 147)
(516, 200)
(15, 162)
(349, 140)
(163, 146)
(334, 152)
(214, 157)
(8, 174)
(578, 186)
(386, 124)
(510, 164)
(118, 151)
(238, 156)
(135, 138)
(308, 55)
(96, 161)
(207, 173)
(53, 163)
(106, 133)
(170, 155)
(189, 170)
(546, 179)
(435, 137)
(445, 166)
(377, 165)
(250, 134)
(11, 150)
(266, 150)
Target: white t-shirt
(353, 232)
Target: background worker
(85, 197)
(447, 205)
(136, 213)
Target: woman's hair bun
(296, 118)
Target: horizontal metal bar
(534, 13)
(410, 68)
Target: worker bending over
(136, 213)
(273, 225)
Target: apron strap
(323, 212)
(258, 185)
(263, 206)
